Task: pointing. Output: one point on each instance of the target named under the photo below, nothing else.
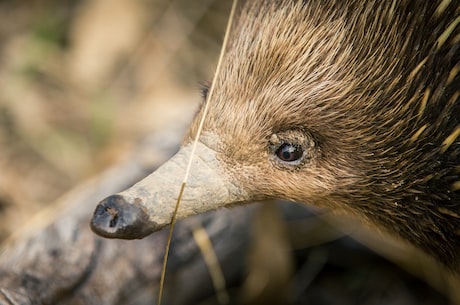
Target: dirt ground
(82, 82)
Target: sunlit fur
(374, 86)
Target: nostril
(106, 218)
(114, 217)
(114, 214)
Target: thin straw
(200, 128)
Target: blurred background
(82, 82)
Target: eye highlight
(288, 152)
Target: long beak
(149, 205)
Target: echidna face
(351, 105)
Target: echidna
(350, 105)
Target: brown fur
(371, 91)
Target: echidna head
(335, 104)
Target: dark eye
(289, 152)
